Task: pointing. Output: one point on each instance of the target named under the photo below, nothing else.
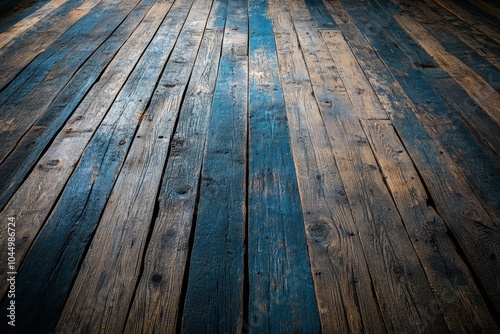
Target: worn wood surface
(214, 299)
(281, 294)
(251, 166)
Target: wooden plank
(281, 292)
(342, 281)
(388, 250)
(364, 101)
(487, 7)
(88, 189)
(436, 253)
(455, 46)
(27, 102)
(320, 14)
(456, 293)
(477, 122)
(474, 232)
(29, 148)
(423, 87)
(16, 55)
(487, 29)
(117, 247)
(30, 21)
(50, 175)
(477, 87)
(155, 306)
(214, 298)
(430, 14)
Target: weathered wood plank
(474, 231)
(476, 121)
(364, 101)
(29, 148)
(214, 298)
(457, 296)
(422, 86)
(155, 307)
(16, 55)
(477, 87)
(448, 35)
(30, 21)
(63, 240)
(281, 292)
(117, 247)
(388, 251)
(487, 7)
(320, 14)
(51, 173)
(28, 102)
(281, 289)
(437, 253)
(475, 21)
(343, 286)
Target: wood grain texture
(424, 87)
(64, 239)
(346, 301)
(52, 172)
(457, 296)
(155, 307)
(477, 22)
(445, 270)
(31, 145)
(474, 231)
(382, 234)
(480, 91)
(30, 21)
(363, 99)
(448, 26)
(29, 101)
(214, 297)
(18, 54)
(281, 288)
(129, 211)
(487, 7)
(250, 166)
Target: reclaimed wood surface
(250, 166)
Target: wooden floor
(255, 166)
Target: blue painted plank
(282, 298)
(214, 299)
(320, 14)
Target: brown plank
(24, 104)
(346, 301)
(457, 295)
(388, 251)
(480, 91)
(425, 228)
(18, 53)
(157, 297)
(476, 22)
(364, 101)
(117, 247)
(474, 232)
(428, 13)
(48, 178)
(487, 7)
(29, 22)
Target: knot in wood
(320, 231)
